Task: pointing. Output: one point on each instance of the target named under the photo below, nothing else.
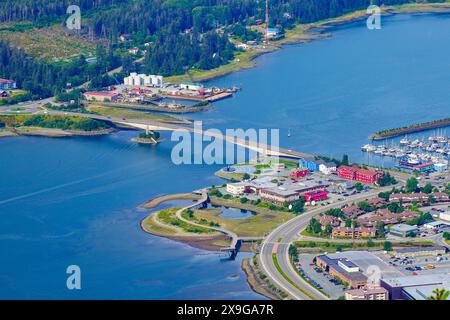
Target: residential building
(352, 211)
(326, 220)
(366, 294)
(387, 217)
(350, 232)
(237, 189)
(327, 167)
(100, 96)
(273, 33)
(376, 202)
(309, 163)
(357, 174)
(6, 84)
(403, 230)
(135, 79)
(279, 196)
(407, 198)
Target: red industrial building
(362, 175)
(300, 173)
(316, 195)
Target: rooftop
(403, 227)
(423, 292)
(6, 81)
(421, 249)
(100, 93)
(419, 280)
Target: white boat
(368, 148)
(405, 141)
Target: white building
(439, 167)
(143, 80)
(445, 216)
(436, 225)
(327, 168)
(191, 86)
(237, 189)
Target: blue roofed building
(309, 163)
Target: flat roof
(436, 223)
(421, 249)
(423, 292)
(348, 263)
(356, 276)
(281, 192)
(403, 227)
(419, 280)
(100, 93)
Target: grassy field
(243, 60)
(256, 226)
(285, 276)
(54, 44)
(165, 223)
(132, 114)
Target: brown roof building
(360, 232)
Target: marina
(426, 154)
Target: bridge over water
(150, 125)
(236, 241)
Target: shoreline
(305, 33)
(51, 132)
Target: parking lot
(326, 283)
(420, 265)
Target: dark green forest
(184, 34)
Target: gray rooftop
(421, 249)
(419, 280)
(403, 227)
(423, 292)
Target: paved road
(167, 126)
(288, 233)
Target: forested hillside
(183, 33)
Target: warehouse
(279, 196)
(403, 230)
(420, 251)
(398, 287)
(101, 96)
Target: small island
(150, 137)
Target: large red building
(299, 173)
(362, 175)
(316, 195)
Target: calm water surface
(74, 201)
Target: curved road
(279, 240)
